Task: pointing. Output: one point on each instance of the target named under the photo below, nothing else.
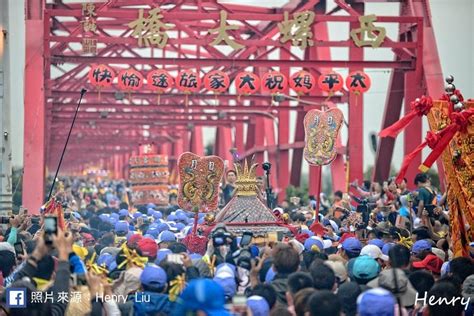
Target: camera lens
(266, 166)
(218, 241)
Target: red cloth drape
(418, 107)
(437, 141)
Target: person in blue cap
(376, 302)
(350, 249)
(152, 300)
(201, 297)
(421, 248)
(364, 269)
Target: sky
(454, 29)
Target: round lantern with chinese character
(330, 82)
(216, 81)
(101, 76)
(188, 81)
(130, 80)
(159, 80)
(274, 82)
(302, 82)
(246, 83)
(358, 82)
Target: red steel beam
(132, 14)
(283, 157)
(356, 115)
(196, 62)
(195, 97)
(207, 41)
(34, 121)
(393, 107)
(126, 108)
(432, 71)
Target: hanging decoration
(419, 107)
(101, 76)
(321, 131)
(188, 81)
(159, 80)
(199, 179)
(302, 82)
(217, 81)
(274, 82)
(330, 82)
(130, 80)
(358, 82)
(246, 83)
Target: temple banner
(149, 177)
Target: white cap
(299, 247)
(374, 252)
(326, 242)
(225, 271)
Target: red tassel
(447, 134)
(419, 107)
(397, 127)
(407, 160)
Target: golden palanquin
(458, 162)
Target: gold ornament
(210, 218)
(246, 179)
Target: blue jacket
(159, 303)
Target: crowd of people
(383, 250)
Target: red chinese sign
(330, 82)
(130, 79)
(101, 76)
(274, 82)
(217, 81)
(358, 82)
(188, 81)
(302, 82)
(246, 83)
(159, 80)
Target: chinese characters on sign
(222, 34)
(188, 81)
(159, 80)
(358, 82)
(368, 34)
(101, 76)
(89, 25)
(246, 83)
(89, 22)
(150, 30)
(297, 30)
(274, 82)
(218, 81)
(89, 46)
(302, 82)
(61, 297)
(330, 82)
